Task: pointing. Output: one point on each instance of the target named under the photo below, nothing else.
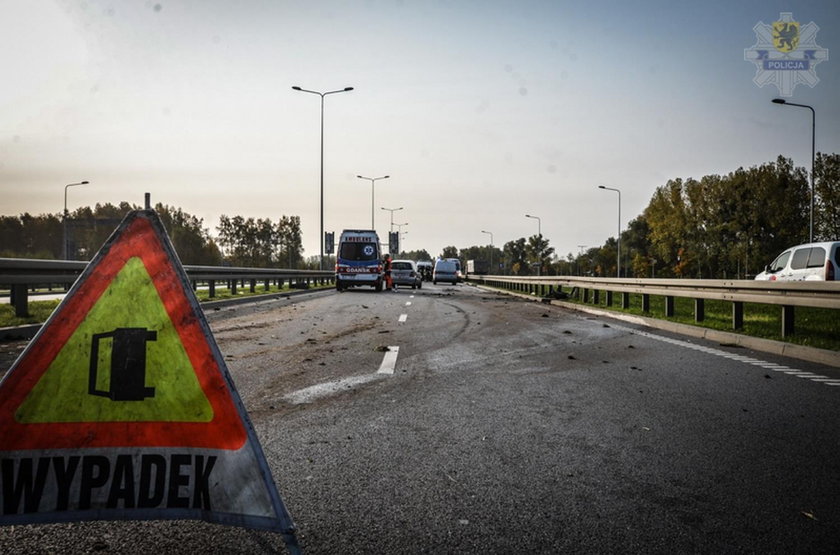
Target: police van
(359, 260)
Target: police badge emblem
(786, 54)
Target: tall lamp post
(64, 219)
(539, 223)
(373, 181)
(618, 237)
(539, 232)
(491, 248)
(392, 210)
(813, 155)
(322, 95)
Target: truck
(478, 267)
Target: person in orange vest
(386, 268)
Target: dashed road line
(326, 389)
(403, 318)
(805, 375)
(408, 303)
(389, 361)
(318, 391)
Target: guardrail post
(669, 307)
(211, 288)
(699, 310)
(596, 296)
(645, 302)
(609, 298)
(787, 320)
(737, 315)
(585, 296)
(19, 296)
(267, 285)
(625, 300)
(232, 286)
(253, 287)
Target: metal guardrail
(21, 275)
(788, 294)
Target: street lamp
(372, 182)
(392, 210)
(580, 256)
(64, 219)
(539, 223)
(618, 237)
(491, 247)
(322, 95)
(813, 155)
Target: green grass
(39, 311)
(813, 327)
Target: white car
(814, 261)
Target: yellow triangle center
(140, 371)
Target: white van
(458, 271)
(359, 260)
(814, 261)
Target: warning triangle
(126, 359)
(122, 406)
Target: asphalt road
(508, 426)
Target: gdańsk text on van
(359, 260)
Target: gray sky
(480, 111)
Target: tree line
(720, 226)
(240, 241)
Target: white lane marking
(309, 394)
(408, 303)
(403, 317)
(818, 378)
(389, 361)
(411, 296)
